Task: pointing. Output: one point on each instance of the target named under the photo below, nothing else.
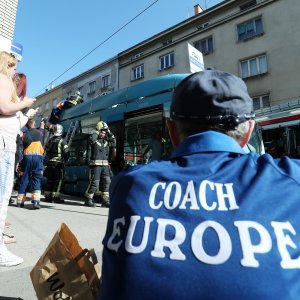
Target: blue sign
(16, 49)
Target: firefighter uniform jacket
(100, 150)
(57, 151)
(212, 222)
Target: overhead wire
(91, 51)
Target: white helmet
(101, 126)
(58, 130)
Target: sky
(56, 34)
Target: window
(54, 102)
(261, 102)
(79, 153)
(205, 46)
(250, 29)
(254, 66)
(166, 61)
(138, 72)
(105, 81)
(69, 94)
(46, 105)
(80, 90)
(92, 87)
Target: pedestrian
(57, 154)
(154, 146)
(20, 81)
(9, 128)
(32, 164)
(103, 149)
(212, 222)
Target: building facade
(258, 40)
(47, 101)
(95, 82)
(8, 12)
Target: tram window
(78, 153)
(255, 143)
(139, 134)
(88, 129)
(275, 141)
(283, 141)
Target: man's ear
(248, 134)
(173, 133)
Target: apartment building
(95, 82)
(8, 12)
(258, 40)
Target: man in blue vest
(212, 222)
(32, 164)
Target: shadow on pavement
(69, 200)
(9, 298)
(28, 206)
(78, 212)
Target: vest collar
(209, 141)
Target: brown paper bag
(65, 270)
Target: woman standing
(9, 128)
(20, 81)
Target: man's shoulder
(94, 132)
(29, 131)
(281, 162)
(56, 138)
(286, 166)
(151, 169)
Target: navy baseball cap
(212, 97)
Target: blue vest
(210, 223)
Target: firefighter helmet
(101, 126)
(58, 130)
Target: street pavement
(34, 230)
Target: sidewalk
(34, 230)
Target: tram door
(293, 141)
(144, 136)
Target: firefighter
(103, 149)
(73, 100)
(57, 153)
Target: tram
(134, 115)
